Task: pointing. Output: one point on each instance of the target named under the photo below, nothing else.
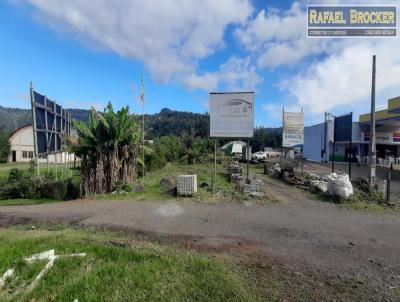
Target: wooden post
(33, 106)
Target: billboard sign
(343, 126)
(293, 130)
(50, 123)
(232, 114)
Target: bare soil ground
(352, 255)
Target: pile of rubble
(235, 172)
(333, 184)
(254, 187)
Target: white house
(22, 148)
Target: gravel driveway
(304, 234)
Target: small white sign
(293, 129)
(232, 114)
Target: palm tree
(108, 147)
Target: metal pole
(372, 142)
(283, 149)
(350, 155)
(324, 158)
(248, 158)
(143, 124)
(333, 157)
(215, 164)
(34, 127)
(388, 185)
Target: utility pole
(372, 142)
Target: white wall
(22, 140)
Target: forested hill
(14, 118)
(167, 122)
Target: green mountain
(166, 122)
(14, 118)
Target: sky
(89, 53)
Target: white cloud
(169, 36)
(338, 71)
(344, 78)
(235, 74)
(277, 38)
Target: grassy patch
(60, 168)
(204, 172)
(20, 202)
(360, 201)
(115, 269)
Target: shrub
(51, 189)
(18, 185)
(21, 184)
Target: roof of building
(18, 129)
(392, 113)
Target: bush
(21, 184)
(18, 185)
(51, 189)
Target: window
(24, 154)
(30, 154)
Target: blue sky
(86, 53)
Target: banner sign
(293, 130)
(232, 114)
(51, 122)
(351, 20)
(343, 128)
(382, 137)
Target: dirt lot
(300, 233)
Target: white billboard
(232, 114)
(293, 129)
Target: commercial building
(318, 139)
(22, 148)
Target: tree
(4, 147)
(109, 147)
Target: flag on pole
(142, 93)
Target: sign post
(231, 116)
(34, 128)
(292, 132)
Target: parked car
(259, 155)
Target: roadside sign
(232, 114)
(293, 130)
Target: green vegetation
(151, 189)
(109, 148)
(116, 268)
(4, 146)
(24, 185)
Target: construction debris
(340, 185)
